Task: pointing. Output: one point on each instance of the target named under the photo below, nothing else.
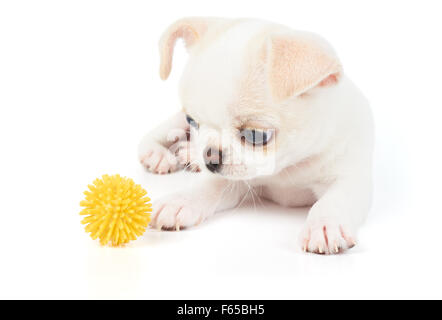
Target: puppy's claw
(177, 227)
(336, 248)
(198, 222)
(352, 243)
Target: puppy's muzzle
(213, 157)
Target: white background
(79, 87)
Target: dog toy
(117, 210)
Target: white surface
(77, 81)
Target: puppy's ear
(297, 64)
(191, 30)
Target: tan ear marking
(189, 29)
(298, 64)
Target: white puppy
(267, 108)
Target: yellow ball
(117, 210)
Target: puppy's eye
(192, 122)
(256, 137)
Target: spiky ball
(117, 210)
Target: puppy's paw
(323, 236)
(186, 155)
(175, 213)
(158, 159)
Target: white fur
(320, 155)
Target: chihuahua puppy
(266, 110)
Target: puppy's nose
(213, 157)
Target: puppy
(265, 110)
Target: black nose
(214, 167)
(213, 158)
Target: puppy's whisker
(224, 191)
(251, 193)
(258, 197)
(288, 175)
(242, 200)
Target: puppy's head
(252, 92)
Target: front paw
(158, 159)
(175, 213)
(186, 154)
(323, 236)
